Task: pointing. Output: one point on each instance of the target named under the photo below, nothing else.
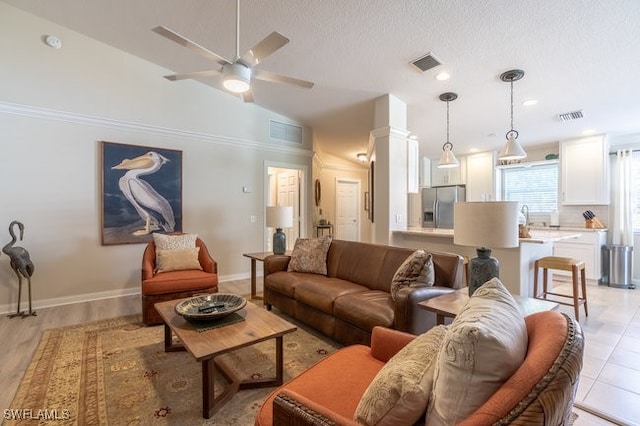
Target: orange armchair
(163, 286)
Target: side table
(258, 257)
(449, 305)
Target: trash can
(617, 266)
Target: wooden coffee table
(259, 325)
(449, 305)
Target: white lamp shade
(448, 160)
(280, 217)
(491, 224)
(512, 149)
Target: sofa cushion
(177, 260)
(415, 271)
(310, 255)
(484, 346)
(322, 292)
(365, 309)
(400, 391)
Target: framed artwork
(141, 192)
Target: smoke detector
(573, 115)
(52, 41)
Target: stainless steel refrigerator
(437, 205)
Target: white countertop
(538, 236)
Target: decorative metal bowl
(210, 306)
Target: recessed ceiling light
(442, 76)
(474, 150)
(588, 132)
(413, 136)
(529, 102)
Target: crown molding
(89, 120)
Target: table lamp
(279, 217)
(485, 224)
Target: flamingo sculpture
(21, 264)
(153, 208)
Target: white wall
(55, 107)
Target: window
(534, 185)
(635, 191)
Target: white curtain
(622, 220)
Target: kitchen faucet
(522, 210)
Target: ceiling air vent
(426, 62)
(573, 115)
(285, 132)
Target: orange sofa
(163, 286)
(540, 392)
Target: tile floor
(610, 378)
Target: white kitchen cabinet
(481, 176)
(449, 175)
(584, 171)
(588, 248)
(425, 172)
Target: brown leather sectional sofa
(355, 296)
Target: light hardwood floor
(609, 380)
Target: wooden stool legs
(578, 281)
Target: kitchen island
(516, 264)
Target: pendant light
(512, 149)
(448, 160)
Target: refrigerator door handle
(435, 213)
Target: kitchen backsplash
(571, 216)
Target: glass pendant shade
(236, 78)
(448, 159)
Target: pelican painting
(141, 192)
(152, 207)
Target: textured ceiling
(577, 54)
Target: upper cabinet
(584, 171)
(481, 176)
(449, 176)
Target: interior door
(347, 226)
(288, 190)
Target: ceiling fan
(237, 74)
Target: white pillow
(484, 346)
(400, 391)
(416, 271)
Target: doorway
(284, 186)
(347, 226)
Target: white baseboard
(88, 297)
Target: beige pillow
(310, 255)
(178, 260)
(416, 271)
(400, 391)
(174, 242)
(484, 346)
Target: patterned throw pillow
(400, 391)
(310, 255)
(178, 260)
(174, 242)
(484, 346)
(416, 271)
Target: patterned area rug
(115, 372)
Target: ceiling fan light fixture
(362, 157)
(236, 77)
(448, 159)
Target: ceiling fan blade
(248, 96)
(207, 73)
(279, 78)
(266, 47)
(182, 41)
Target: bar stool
(563, 264)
